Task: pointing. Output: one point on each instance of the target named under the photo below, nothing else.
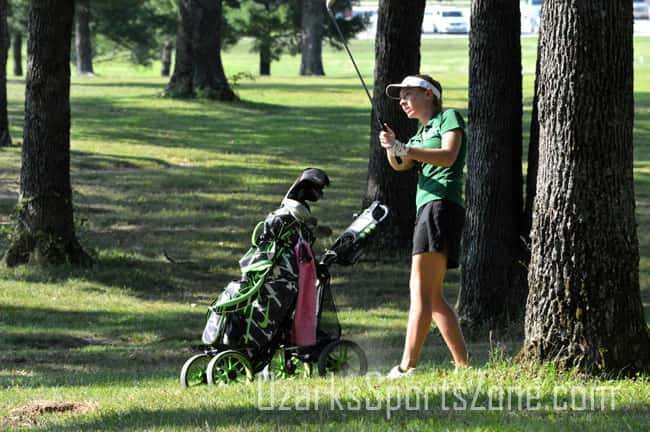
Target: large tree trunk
(209, 76)
(44, 232)
(584, 308)
(83, 44)
(397, 54)
(493, 290)
(166, 58)
(313, 14)
(5, 138)
(265, 60)
(17, 48)
(198, 70)
(180, 84)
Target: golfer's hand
(393, 147)
(387, 137)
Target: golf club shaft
(354, 63)
(380, 121)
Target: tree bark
(397, 54)
(198, 70)
(166, 58)
(265, 60)
(584, 309)
(5, 137)
(493, 292)
(209, 76)
(17, 48)
(44, 233)
(83, 44)
(180, 84)
(313, 14)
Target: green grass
(192, 177)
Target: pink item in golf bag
(303, 331)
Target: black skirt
(439, 228)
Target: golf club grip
(382, 125)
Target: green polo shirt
(436, 182)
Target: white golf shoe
(397, 372)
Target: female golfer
(437, 151)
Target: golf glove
(399, 149)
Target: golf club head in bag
(349, 246)
(308, 186)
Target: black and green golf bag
(252, 311)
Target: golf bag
(279, 317)
(251, 311)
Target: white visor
(392, 90)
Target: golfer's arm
(445, 156)
(406, 164)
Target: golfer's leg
(447, 323)
(427, 273)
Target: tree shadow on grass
(181, 215)
(132, 218)
(84, 161)
(143, 278)
(246, 127)
(49, 323)
(346, 413)
(332, 88)
(134, 84)
(105, 347)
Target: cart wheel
(342, 357)
(229, 367)
(282, 367)
(193, 372)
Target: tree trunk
(493, 290)
(44, 233)
(313, 14)
(166, 58)
(17, 48)
(5, 138)
(397, 54)
(82, 40)
(198, 70)
(180, 84)
(265, 60)
(209, 76)
(584, 308)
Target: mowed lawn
(101, 349)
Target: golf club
(330, 5)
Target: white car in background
(530, 12)
(449, 20)
(641, 10)
(427, 20)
